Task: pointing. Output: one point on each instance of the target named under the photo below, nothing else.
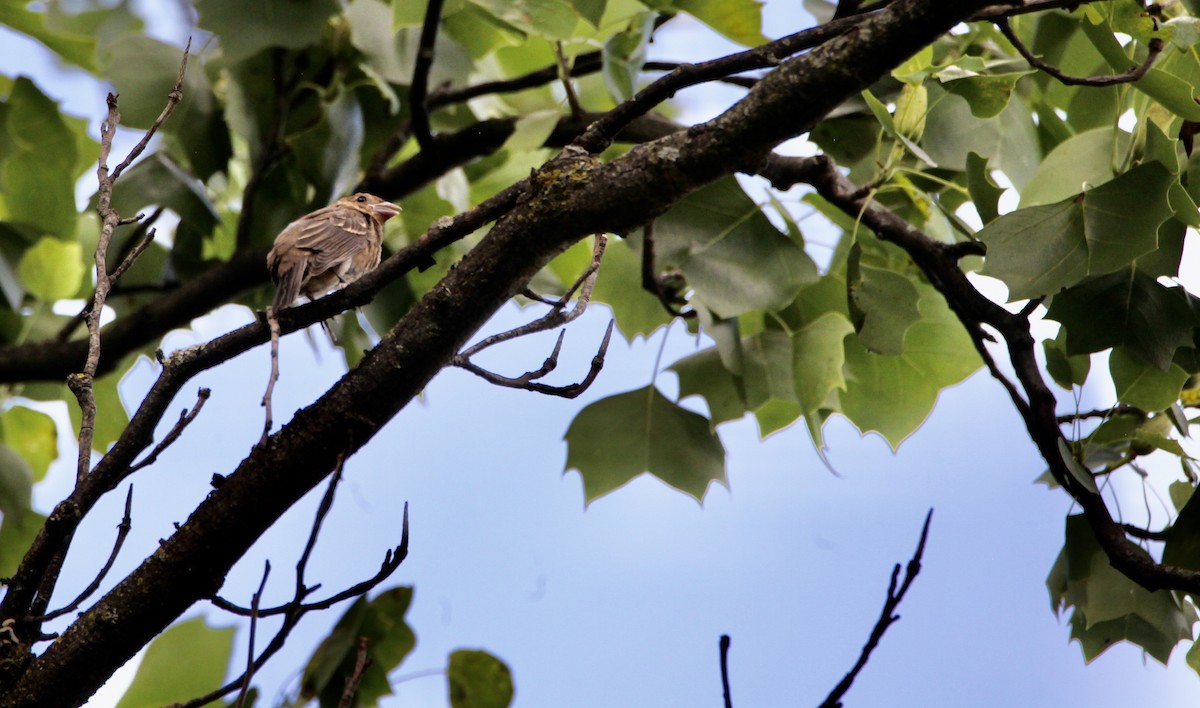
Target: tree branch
(888, 616)
(1134, 73)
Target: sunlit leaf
(159, 680)
(1143, 385)
(33, 435)
(291, 24)
(52, 269)
(478, 680)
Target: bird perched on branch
(329, 248)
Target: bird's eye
(361, 198)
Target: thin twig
(418, 91)
(1135, 73)
(173, 100)
(185, 419)
(273, 325)
(564, 75)
(361, 662)
(254, 600)
(886, 617)
(724, 647)
(557, 316)
(123, 529)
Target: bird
(328, 248)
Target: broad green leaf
(291, 24)
(549, 19)
(885, 306)
(769, 382)
(1182, 548)
(1125, 308)
(327, 152)
(478, 31)
(1042, 249)
(1009, 141)
(1110, 607)
(389, 640)
(16, 484)
(702, 374)
(16, 536)
(1143, 385)
(818, 355)
(893, 395)
(739, 20)
(985, 193)
(657, 436)
(1077, 164)
(730, 253)
(52, 269)
(33, 435)
(986, 94)
(477, 679)
(623, 55)
(1067, 371)
(159, 679)
(39, 177)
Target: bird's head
(382, 209)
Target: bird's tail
(289, 275)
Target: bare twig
(418, 91)
(556, 317)
(185, 419)
(886, 617)
(564, 75)
(249, 672)
(361, 661)
(123, 529)
(273, 325)
(1135, 73)
(1119, 409)
(724, 647)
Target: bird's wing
(332, 235)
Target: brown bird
(329, 248)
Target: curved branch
(1134, 73)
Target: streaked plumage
(328, 248)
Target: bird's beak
(385, 210)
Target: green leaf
(75, 48)
(657, 436)
(887, 302)
(770, 386)
(159, 680)
(702, 374)
(549, 19)
(16, 484)
(986, 94)
(1125, 308)
(52, 269)
(16, 536)
(1143, 385)
(31, 434)
(730, 253)
(623, 55)
(1075, 165)
(327, 152)
(739, 20)
(39, 176)
(985, 193)
(478, 680)
(619, 285)
(1182, 548)
(892, 395)
(1009, 140)
(1067, 371)
(1041, 249)
(291, 24)
(818, 356)
(1110, 607)
(389, 640)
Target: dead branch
(185, 419)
